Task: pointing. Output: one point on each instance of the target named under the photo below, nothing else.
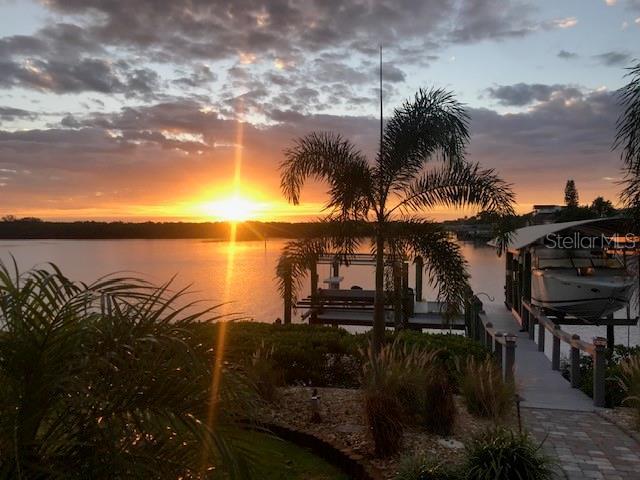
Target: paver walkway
(584, 444)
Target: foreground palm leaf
(628, 141)
(108, 380)
(420, 166)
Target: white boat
(581, 283)
(576, 269)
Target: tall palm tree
(628, 141)
(420, 165)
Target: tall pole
(381, 117)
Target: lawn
(282, 460)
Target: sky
(166, 109)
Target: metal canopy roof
(526, 236)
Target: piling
(419, 268)
(599, 366)
(575, 363)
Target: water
(242, 274)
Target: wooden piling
(611, 341)
(555, 352)
(419, 267)
(599, 371)
(575, 363)
(541, 330)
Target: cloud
(87, 74)
(566, 55)
(10, 114)
(492, 19)
(521, 94)
(613, 59)
(567, 22)
(159, 153)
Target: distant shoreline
(35, 229)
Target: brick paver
(585, 445)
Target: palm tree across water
(420, 165)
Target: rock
(450, 443)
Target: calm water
(242, 274)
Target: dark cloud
(521, 94)
(391, 73)
(613, 59)
(566, 55)
(10, 114)
(489, 19)
(88, 74)
(200, 76)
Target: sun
(233, 209)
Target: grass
(485, 393)
(501, 454)
(281, 460)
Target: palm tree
(628, 141)
(420, 165)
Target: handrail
(572, 339)
(532, 315)
(502, 344)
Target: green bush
(264, 375)
(326, 356)
(630, 383)
(501, 454)
(614, 395)
(305, 354)
(485, 392)
(420, 467)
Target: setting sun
(233, 209)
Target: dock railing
(532, 315)
(502, 344)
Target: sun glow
(233, 209)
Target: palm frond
(628, 124)
(331, 158)
(444, 263)
(92, 390)
(433, 123)
(458, 185)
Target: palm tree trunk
(378, 308)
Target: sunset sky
(165, 110)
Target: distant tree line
(35, 228)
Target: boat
(586, 284)
(578, 270)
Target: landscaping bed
(344, 426)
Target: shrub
(449, 346)
(614, 395)
(439, 404)
(384, 417)
(419, 467)
(484, 391)
(107, 381)
(501, 454)
(264, 375)
(630, 383)
(393, 383)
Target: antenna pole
(381, 118)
